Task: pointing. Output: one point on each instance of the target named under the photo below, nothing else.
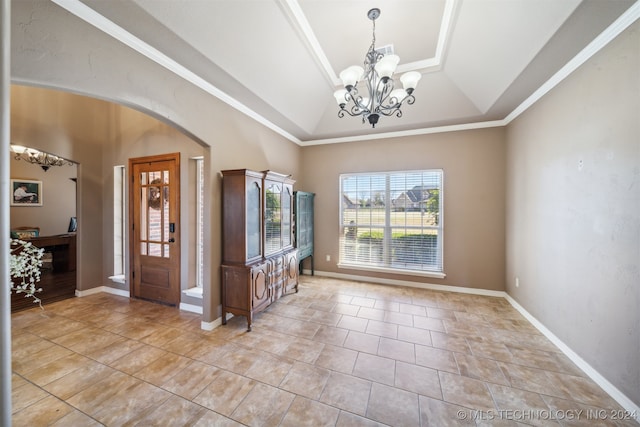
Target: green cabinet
(303, 214)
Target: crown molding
(90, 16)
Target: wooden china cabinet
(259, 262)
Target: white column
(5, 297)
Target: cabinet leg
(224, 317)
(249, 323)
(311, 256)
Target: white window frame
(119, 224)
(387, 264)
(199, 221)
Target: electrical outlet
(328, 258)
(517, 282)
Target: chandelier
(381, 97)
(44, 160)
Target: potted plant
(24, 267)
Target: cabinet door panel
(260, 288)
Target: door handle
(172, 240)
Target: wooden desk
(58, 278)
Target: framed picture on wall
(25, 192)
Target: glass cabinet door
(287, 197)
(253, 220)
(273, 218)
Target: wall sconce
(44, 160)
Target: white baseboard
(609, 388)
(210, 326)
(432, 286)
(191, 308)
(106, 289)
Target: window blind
(392, 220)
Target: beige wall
(73, 127)
(473, 201)
(573, 211)
(58, 197)
(99, 135)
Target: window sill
(119, 278)
(193, 292)
(432, 274)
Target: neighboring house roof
(347, 201)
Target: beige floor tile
(25, 395)
(480, 369)
(439, 313)
(138, 359)
(509, 399)
(363, 301)
(114, 351)
(347, 392)
(87, 340)
(436, 358)
(347, 419)
(490, 349)
(43, 355)
(353, 323)
(382, 304)
(397, 350)
(414, 335)
(428, 323)
(42, 413)
(578, 414)
(330, 335)
(211, 418)
(435, 412)
(130, 404)
(305, 380)
(337, 359)
(383, 329)
(162, 336)
(225, 392)
(375, 368)
(174, 411)
(371, 313)
(191, 380)
(404, 319)
(302, 350)
(466, 392)
(449, 342)
(270, 369)
(345, 308)
(311, 359)
(101, 392)
(57, 369)
(76, 418)
(163, 367)
(393, 406)
(326, 318)
(77, 380)
(305, 412)
(362, 342)
(263, 406)
(418, 379)
(416, 310)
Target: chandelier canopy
(377, 75)
(44, 160)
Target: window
(118, 223)
(200, 222)
(392, 221)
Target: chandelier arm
(380, 97)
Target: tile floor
(338, 353)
